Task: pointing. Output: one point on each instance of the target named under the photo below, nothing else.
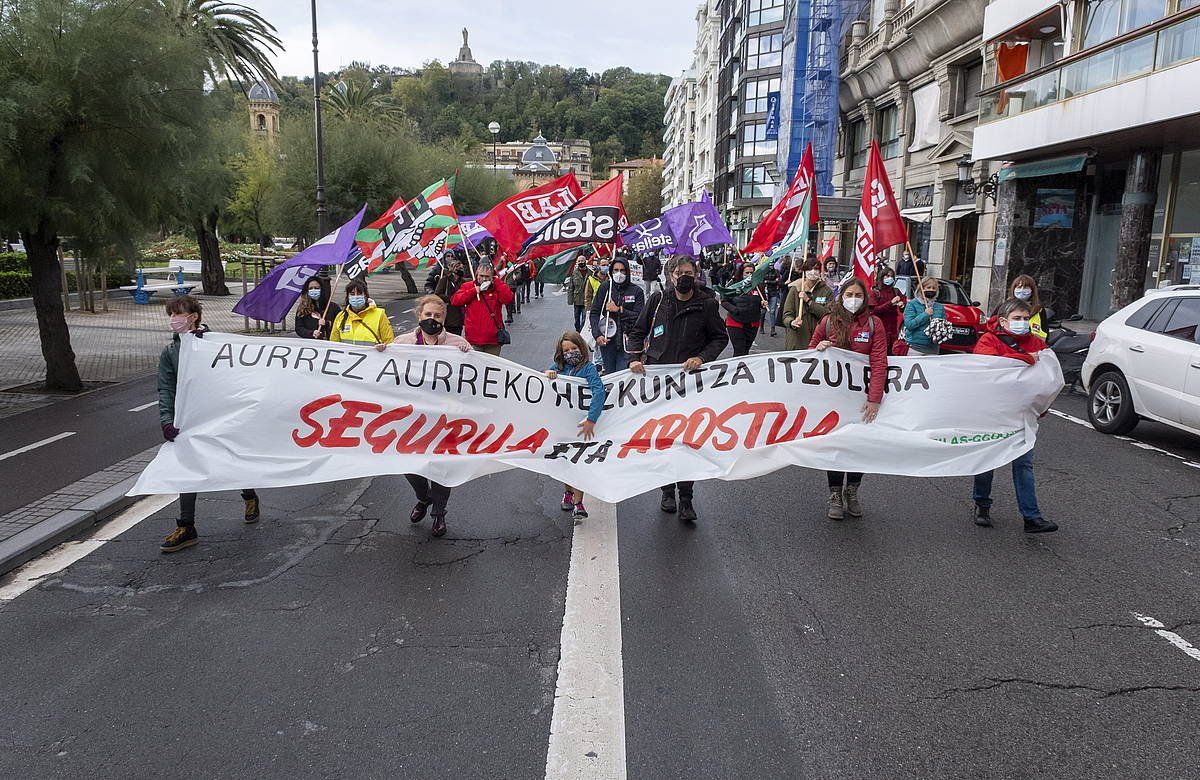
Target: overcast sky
(654, 36)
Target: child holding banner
(185, 313)
(572, 358)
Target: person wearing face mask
(449, 282)
(313, 320)
(1009, 334)
(850, 325)
(431, 332)
(573, 358)
(185, 313)
(483, 301)
(745, 313)
(599, 275)
(833, 278)
(361, 322)
(809, 299)
(577, 284)
(918, 313)
(886, 302)
(910, 267)
(615, 309)
(681, 325)
(1024, 288)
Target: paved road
(335, 639)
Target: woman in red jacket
(483, 302)
(887, 303)
(849, 325)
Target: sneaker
(568, 501)
(837, 510)
(983, 516)
(1039, 525)
(439, 525)
(251, 515)
(580, 513)
(668, 503)
(182, 537)
(687, 513)
(853, 508)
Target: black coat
(745, 309)
(651, 267)
(681, 330)
(306, 325)
(628, 296)
(447, 285)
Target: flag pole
(329, 302)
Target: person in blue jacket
(572, 358)
(917, 315)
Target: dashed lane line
(587, 729)
(1187, 647)
(1139, 444)
(36, 444)
(144, 407)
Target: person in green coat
(808, 301)
(577, 290)
(917, 315)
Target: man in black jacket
(682, 325)
(651, 270)
(615, 309)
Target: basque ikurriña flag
(416, 233)
(879, 223)
(274, 296)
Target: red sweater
(880, 301)
(990, 343)
(865, 340)
(482, 314)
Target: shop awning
(917, 215)
(1029, 170)
(959, 211)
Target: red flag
(776, 223)
(597, 219)
(513, 221)
(879, 223)
(827, 252)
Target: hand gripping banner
(264, 413)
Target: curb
(61, 527)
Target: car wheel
(1110, 407)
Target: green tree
(99, 106)
(360, 101)
(257, 179)
(643, 200)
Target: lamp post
(322, 228)
(989, 186)
(494, 129)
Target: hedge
(13, 262)
(19, 284)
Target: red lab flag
(879, 223)
(513, 221)
(596, 219)
(776, 223)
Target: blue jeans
(1022, 470)
(614, 355)
(773, 310)
(580, 317)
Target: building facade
(1094, 107)
(571, 154)
(264, 111)
(679, 140)
(631, 168)
(704, 67)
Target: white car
(1145, 363)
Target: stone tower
(264, 111)
(465, 65)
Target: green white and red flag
(417, 232)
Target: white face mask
(1023, 293)
(619, 277)
(852, 304)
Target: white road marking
(144, 407)
(36, 444)
(587, 730)
(1070, 418)
(1139, 444)
(1187, 647)
(65, 554)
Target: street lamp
(322, 228)
(494, 129)
(966, 180)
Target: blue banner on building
(772, 116)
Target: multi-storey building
(704, 68)
(679, 140)
(1094, 106)
(570, 154)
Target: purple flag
(648, 236)
(695, 226)
(472, 231)
(271, 298)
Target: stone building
(541, 160)
(631, 168)
(264, 111)
(679, 140)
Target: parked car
(966, 318)
(1145, 363)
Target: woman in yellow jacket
(361, 322)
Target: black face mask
(430, 326)
(685, 284)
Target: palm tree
(360, 101)
(237, 40)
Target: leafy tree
(99, 106)
(361, 101)
(246, 214)
(643, 199)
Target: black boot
(668, 502)
(983, 516)
(1039, 525)
(687, 514)
(439, 525)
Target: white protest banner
(264, 412)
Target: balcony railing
(1172, 43)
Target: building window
(971, 82)
(764, 51)
(889, 132)
(860, 144)
(755, 183)
(755, 95)
(754, 140)
(764, 12)
(1106, 19)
